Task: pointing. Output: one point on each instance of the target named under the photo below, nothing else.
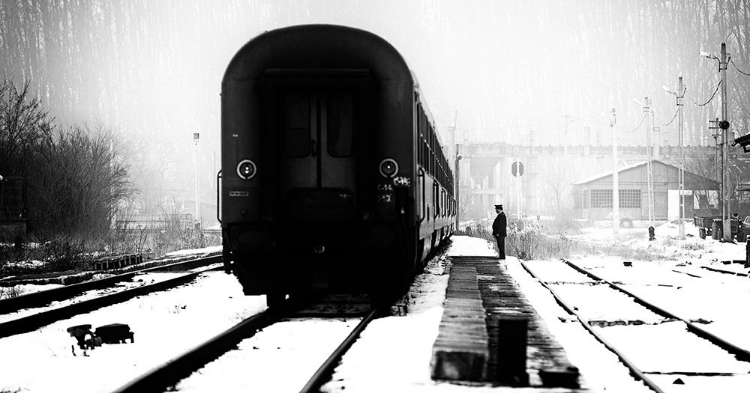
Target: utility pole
(725, 126)
(647, 110)
(196, 136)
(457, 184)
(681, 171)
(615, 180)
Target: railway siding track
(741, 353)
(659, 351)
(30, 322)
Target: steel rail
(712, 269)
(738, 352)
(37, 299)
(35, 321)
(325, 371)
(168, 374)
(634, 370)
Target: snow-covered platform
(504, 314)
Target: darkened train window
(340, 125)
(297, 125)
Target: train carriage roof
(318, 46)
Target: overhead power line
(673, 117)
(738, 68)
(639, 124)
(709, 100)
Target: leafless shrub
(77, 183)
(528, 242)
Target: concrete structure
(593, 196)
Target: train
(333, 178)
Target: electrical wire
(639, 124)
(673, 117)
(709, 100)
(738, 68)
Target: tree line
(73, 178)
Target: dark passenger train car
(333, 179)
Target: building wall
(636, 179)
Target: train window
(340, 125)
(420, 153)
(297, 125)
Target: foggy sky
(502, 70)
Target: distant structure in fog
(593, 196)
(549, 173)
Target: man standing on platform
(499, 230)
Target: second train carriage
(333, 177)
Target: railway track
(29, 312)
(39, 322)
(173, 371)
(680, 351)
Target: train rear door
(318, 140)
(318, 128)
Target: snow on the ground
(202, 251)
(139, 281)
(280, 358)
(393, 354)
(668, 347)
(165, 324)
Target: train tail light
(388, 167)
(246, 169)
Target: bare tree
(78, 182)
(23, 125)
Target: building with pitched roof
(593, 196)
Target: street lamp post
(725, 115)
(681, 169)
(196, 136)
(457, 182)
(457, 186)
(615, 180)
(648, 110)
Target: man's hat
(499, 207)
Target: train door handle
(436, 198)
(421, 180)
(314, 147)
(218, 196)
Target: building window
(601, 198)
(630, 198)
